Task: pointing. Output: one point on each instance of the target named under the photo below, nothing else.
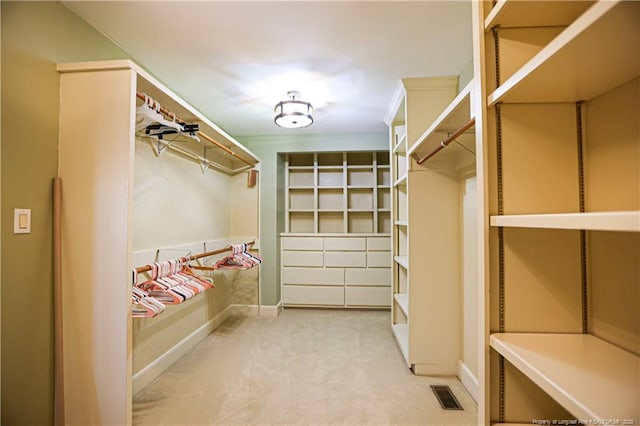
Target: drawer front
(346, 244)
(368, 277)
(313, 295)
(379, 244)
(302, 243)
(368, 296)
(345, 259)
(313, 276)
(379, 259)
(302, 258)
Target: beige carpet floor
(305, 367)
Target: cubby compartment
(360, 199)
(301, 178)
(384, 176)
(384, 199)
(331, 177)
(400, 166)
(384, 222)
(300, 160)
(360, 177)
(401, 203)
(330, 199)
(330, 159)
(360, 158)
(331, 222)
(382, 158)
(360, 222)
(301, 199)
(301, 222)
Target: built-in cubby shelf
(591, 378)
(509, 13)
(347, 192)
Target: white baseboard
(249, 310)
(270, 310)
(469, 381)
(145, 376)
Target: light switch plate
(21, 221)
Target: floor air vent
(446, 398)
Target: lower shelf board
(401, 331)
(402, 299)
(591, 378)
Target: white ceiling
(235, 60)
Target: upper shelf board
(517, 13)
(148, 85)
(628, 221)
(459, 154)
(596, 53)
(589, 377)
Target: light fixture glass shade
(293, 114)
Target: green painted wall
(268, 148)
(35, 36)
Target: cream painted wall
(35, 36)
(471, 329)
(175, 203)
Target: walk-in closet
(320, 213)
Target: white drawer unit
(302, 258)
(313, 295)
(345, 244)
(314, 276)
(367, 277)
(352, 259)
(302, 243)
(379, 259)
(336, 270)
(378, 244)
(368, 296)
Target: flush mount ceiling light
(293, 114)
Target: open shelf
(459, 154)
(517, 13)
(577, 65)
(599, 221)
(402, 299)
(402, 181)
(401, 332)
(401, 222)
(589, 377)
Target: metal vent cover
(446, 398)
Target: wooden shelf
(454, 116)
(401, 332)
(402, 261)
(402, 299)
(628, 221)
(510, 13)
(591, 378)
(594, 54)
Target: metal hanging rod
(196, 256)
(448, 140)
(168, 113)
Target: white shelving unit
(598, 221)
(562, 85)
(426, 227)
